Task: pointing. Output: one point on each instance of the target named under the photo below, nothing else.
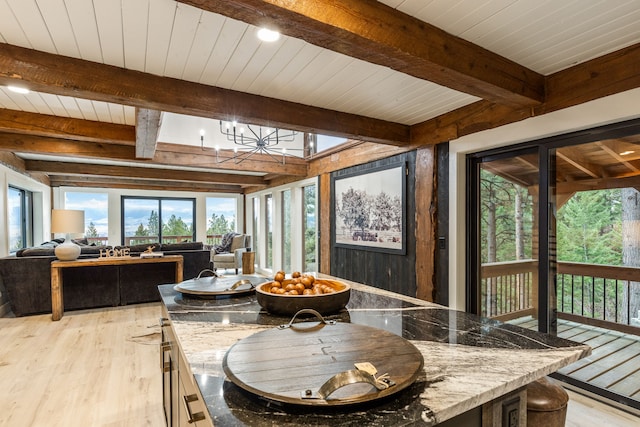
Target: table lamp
(68, 222)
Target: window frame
(123, 198)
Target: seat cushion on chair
(224, 258)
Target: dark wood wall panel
(383, 270)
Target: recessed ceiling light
(17, 89)
(267, 35)
(624, 153)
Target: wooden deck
(614, 364)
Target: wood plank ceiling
(405, 73)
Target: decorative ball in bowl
(288, 296)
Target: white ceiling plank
(223, 50)
(207, 33)
(86, 108)
(10, 29)
(262, 57)
(7, 101)
(56, 18)
(287, 51)
(36, 31)
(109, 22)
(161, 18)
(286, 83)
(54, 103)
(182, 36)
(71, 107)
(134, 29)
(117, 113)
(39, 103)
(85, 29)
(102, 111)
(244, 56)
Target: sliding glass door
(509, 255)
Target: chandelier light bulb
(235, 123)
(241, 130)
(201, 132)
(217, 147)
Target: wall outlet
(511, 413)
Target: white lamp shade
(67, 221)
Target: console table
(57, 303)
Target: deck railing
(599, 293)
(212, 239)
(508, 289)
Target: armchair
(233, 258)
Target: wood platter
(214, 286)
(292, 364)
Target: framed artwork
(369, 209)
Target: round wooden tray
(214, 286)
(313, 363)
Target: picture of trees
(369, 210)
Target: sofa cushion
(183, 246)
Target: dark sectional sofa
(26, 277)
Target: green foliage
(153, 225)
(175, 226)
(141, 231)
(91, 230)
(498, 219)
(310, 228)
(218, 224)
(589, 228)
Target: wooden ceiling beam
(64, 127)
(61, 75)
(600, 77)
(575, 158)
(147, 130)
(84, 169)
(123, 183)
(598, 184)
(604, 146)
(376, 33)
(166, 154)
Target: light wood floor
(101, 368)
(91, 368)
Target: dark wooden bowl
(291, 304)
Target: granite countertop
(468, 360)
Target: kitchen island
(474, 367)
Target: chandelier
(249, 140)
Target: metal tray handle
(342, 379)
(306, 311)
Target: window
(221, 218)
(284, 227)
(256, 226)
(286, 230)
(96, 214)
(157, 220)
(309, 228)
(20, 215)
(269, 224)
